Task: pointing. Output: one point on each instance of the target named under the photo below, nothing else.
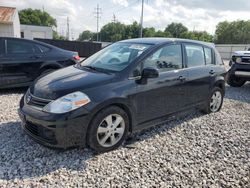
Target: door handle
(181, 78)
(35, 57)
(212, 72)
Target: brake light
(76, 57)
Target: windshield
(115, 57)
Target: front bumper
(240, 70)
(55, 130)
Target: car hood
(68, 80)
(242, 53)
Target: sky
(198, 15)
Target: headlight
(238, 60)
(67, 103)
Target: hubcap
(110, 130)
(216, 101)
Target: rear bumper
(53, 131)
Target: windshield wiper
(96, 69)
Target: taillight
(76, 57)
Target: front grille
(43, 133)
(36, 101)
(32, 128)
(246, 60)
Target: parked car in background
(100, 101)
(22, 61)
(239, 72)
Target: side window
(20, 47)
(136, 72)
(208, 56)
(218, 58)
(195, 55)
(42, 48)
(2, 48)
(166, 59)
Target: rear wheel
(108, 129)
(235, 81)
(214, 102)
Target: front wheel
(235, 81)
(214, 102)
(108, 129)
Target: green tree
(113, 32)
(58, 37)
(36, 17)
(198, 35)
(149, 32)
(237, 32)
(176, 29)
(132, 31)
(86, 35)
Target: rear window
(195, 55)
(20, 47)
(43, 48)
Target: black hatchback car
(127, 86)
(22, 61)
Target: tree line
(236, 32)
(116, 31)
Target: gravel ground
(193, 151)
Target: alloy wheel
(110, 130)
(216, 101)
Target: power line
(97, 13)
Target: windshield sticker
(137, 47)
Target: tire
(103, 129)
(235, 81)
(212, 109)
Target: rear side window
(20, 47)
(195, 55)
(42, 48)
(166, 59)
(208, 55)
(218, 58)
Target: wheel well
(49, 67)
(123, 107)
(221, 86)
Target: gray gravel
(193, 151)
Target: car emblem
(28, 99)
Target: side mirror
(150, 72)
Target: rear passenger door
(21, 62)
(198, 73)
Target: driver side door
(161, 96)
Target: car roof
(29, 40)
(155, 40)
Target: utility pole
(114, 18)
(97, 14)
(141, 22)
(67, 36)
(72, 34)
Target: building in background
(9, 22)
(33, 31)
(10, 26)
